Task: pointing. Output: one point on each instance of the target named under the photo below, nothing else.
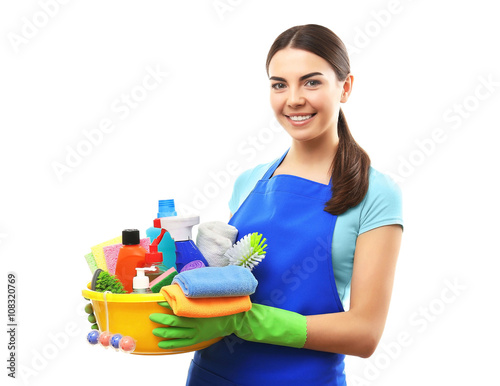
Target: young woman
(333, 225)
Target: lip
(299, 123)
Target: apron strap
(274, 166)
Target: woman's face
(305, 94)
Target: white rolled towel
(214, 239)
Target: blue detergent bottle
(166, 208)
(185, 249)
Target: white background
(416, 64)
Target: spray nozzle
(153, 256)
(179, 227)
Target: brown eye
(313, 83)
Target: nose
(295, 97)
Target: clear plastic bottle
(141, 282)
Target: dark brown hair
(351, 163)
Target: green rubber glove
(261, 323)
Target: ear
(347, 88)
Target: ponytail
(349, 171)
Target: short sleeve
(239, 185)
(382, 204)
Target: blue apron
(296, 275)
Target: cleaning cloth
(231, 280)
(204, 307)
(214, 238)
(193, 265)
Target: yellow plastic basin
(129, 315)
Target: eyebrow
(304, 77)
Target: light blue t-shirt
(381, 206)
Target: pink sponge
(162, 276)
(111, 253)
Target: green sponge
(91, 262)
(162, 283)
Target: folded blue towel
(207, 282)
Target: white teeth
(300, 117)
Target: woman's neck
(317, 152)
(310, 159)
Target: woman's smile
(300, 119)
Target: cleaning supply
(154, 259)
(214, 238)
(166, 246)
(203, 307)
(103, 281)
(130, 257)
(156, 288)
(193, 265)
(231, 280)
(98, 253)
(111, 253)
(180, 230)
(166, 208)
(89, 257)
(248, 252)
(262, 324)
(162, 276)
(141, 281)
(163, 280)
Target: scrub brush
(103, 281)
(248, 251)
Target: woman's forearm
(358, 331)
(342, 333)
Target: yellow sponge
(98, 252)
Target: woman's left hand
(182, 332)
(261, 323)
